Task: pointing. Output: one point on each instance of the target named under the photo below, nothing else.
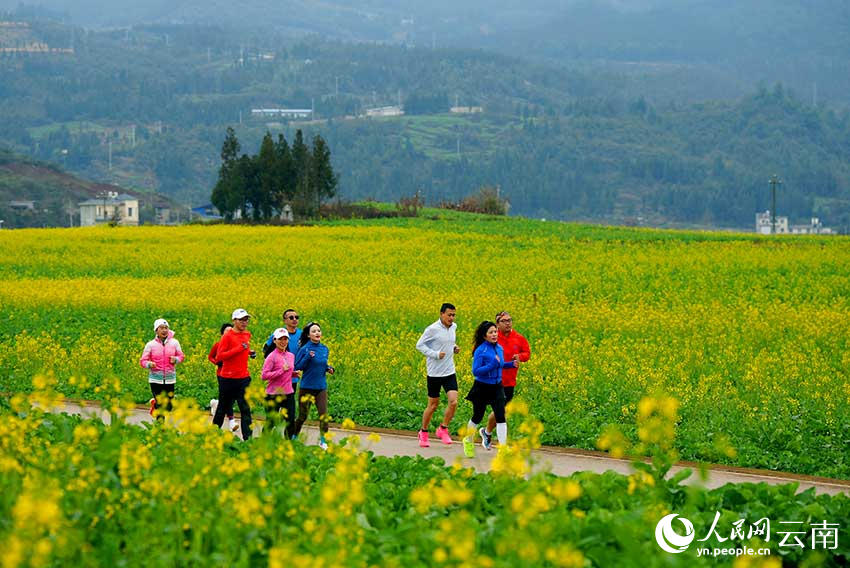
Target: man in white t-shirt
(439, 347)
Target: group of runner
(498, 351)
(296, 360)
(293, 357)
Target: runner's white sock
(502, 433)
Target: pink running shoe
(443, 435)
(423, 439)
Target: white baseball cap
(281, 332)
(239, 314)
(158, 323)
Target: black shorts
(448, 383)
(509, 393)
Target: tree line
(262, 185)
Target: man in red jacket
(516, 349)
(234, 349)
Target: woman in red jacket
(234, 349)
(231, 423)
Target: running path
(560, 461)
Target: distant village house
(22, 205)
(764, 226)
(281, 113)
(122, 209)
(385, 111)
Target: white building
(22, 205)
(281, 113)
(124, 209)
(385, 111)
(764, 226)
(815, 227)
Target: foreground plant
(74, 491)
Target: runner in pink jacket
(277, 373)
(160, 357)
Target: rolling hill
(38, 194)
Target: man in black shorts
(439, 346)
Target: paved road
(560, 461)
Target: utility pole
(103, 195)
(774, 181)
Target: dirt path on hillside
(560, 461)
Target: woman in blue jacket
(488, 360)
(312, 361)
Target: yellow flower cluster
(38, 525)
(613, 441)
(657, 421)
(446, 493)
(640, 479)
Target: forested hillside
(699, 49)
(148, 107)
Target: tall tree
(302, 200)
(285, 173)
(230, 148)
(267, 181)
(228, 193)
(248, 180)
(322, 176)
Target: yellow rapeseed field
(747, 334)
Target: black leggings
(228, 391)
(229, 410)
(479, 409)
(274, 403)
(156, 390)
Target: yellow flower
(440, 555)
(565, 490)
